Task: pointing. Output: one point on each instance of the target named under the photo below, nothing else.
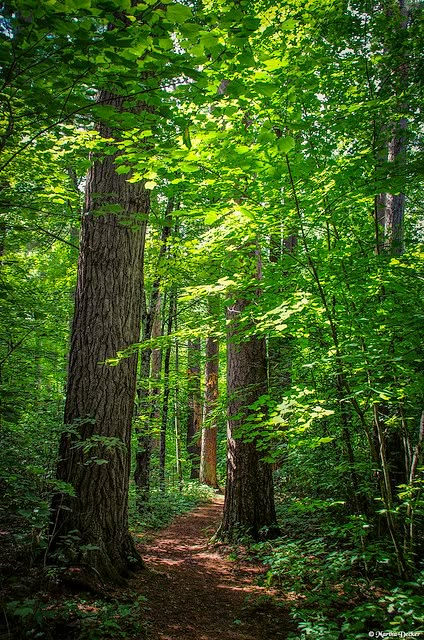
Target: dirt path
(195, 592)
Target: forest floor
(201, 591)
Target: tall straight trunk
(177, 425)
(209, 428)
(194, 413)
(391, 145)
(3, 230)
(91, 526)
(280, 348)
(390, 431)
(152, 361)
(142, 454)
(166, 390)
(249, 496)
(148, 401)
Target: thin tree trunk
(152, 359)
(177, 425)
(152, 366)
(209, 429)
(194, 413)
(280, 348)
(142, 455)
(393, 445)
(166, 391)
(354, 493)
(391, 148)
(3, 231)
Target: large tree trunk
(91, 527)
(249, 497)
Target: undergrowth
(81, 617)
(339, 581)
(32, 603)
(162, 507)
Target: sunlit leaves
(178, 13)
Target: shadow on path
(195, 592)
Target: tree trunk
(142, 454)
(91, 527)
(166, 390)
(151, 364)
(148, 400)
(194, 414)
(177, 427)
(249, 498)
(391, 148)
(209, 430)
(389, 223)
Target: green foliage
(97, 446)
(266, 125)
(162, 507)
(338, 575)
(402, 608)
(91, 619)
(27, 480)
(332, 596)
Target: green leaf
(245, 213)
(186, 138)
(78, 4)
(265, 88)
(273, 63)
(211, 217)
(286, 144)
(178, 13)
(122, 169)
(288, 25)
(251, 24)
(209, 40)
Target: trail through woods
(196, 592)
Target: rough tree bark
(95, 452)
(249, 495)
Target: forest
(211, 280)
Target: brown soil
(196, 592)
